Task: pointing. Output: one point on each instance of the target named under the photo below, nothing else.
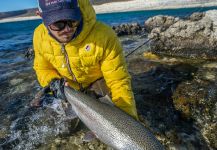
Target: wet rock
(197, 100)
(128, 29)
(3, 134)
(153, 86)
(75, 142)
(208, 72)
(187, 38)
(209, 131)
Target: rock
(3, 134)
(186, 38)
(128, 29)
(197, 100)
(196, 16)
(162, 22)
(186, 94)
(208, 74)
(57, 141)
(154, 85)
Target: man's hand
(66, 83)
(57, 88)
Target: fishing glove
(57, 88)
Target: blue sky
(10, 5)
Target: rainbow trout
(110, 124)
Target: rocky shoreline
(191, 43)
(174, 80)
(135, 5)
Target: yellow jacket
(93, 54)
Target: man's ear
(38, 13)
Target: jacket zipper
(68, 65)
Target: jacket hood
(89, 20)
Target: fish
(110, 124)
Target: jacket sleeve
(44, 70)
(117, 78)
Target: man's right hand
(57, 88)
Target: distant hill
(19, 13)
(99, 2)
(31, 12)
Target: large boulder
(192, 38)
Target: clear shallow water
(18, 82)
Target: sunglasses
(60, 25)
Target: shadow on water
(153, 88)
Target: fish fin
(69, 111)
(107, 100)
(89, 136)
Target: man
(72, 46)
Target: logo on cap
(50, 2)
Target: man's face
(63, 30)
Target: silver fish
(110, 124)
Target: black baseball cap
(56, 10)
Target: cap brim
(65, 14)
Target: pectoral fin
(89, 136)
(107, 100)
